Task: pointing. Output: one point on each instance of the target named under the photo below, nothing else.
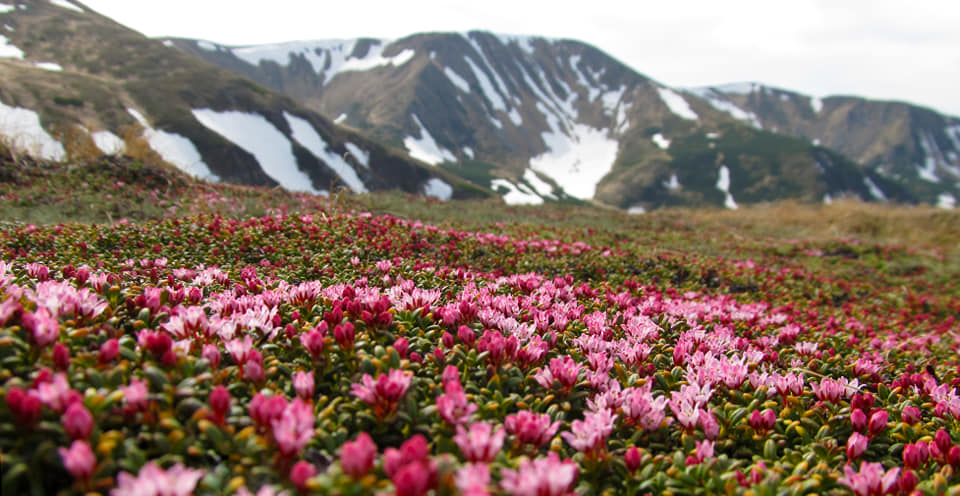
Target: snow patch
(8, 51)
(306, 135)
(438, 188)
(4, 8)
(206, 45)
(674, 183)
(946, 201)
(20, 128)
(486, 87)
(49, 66)
(426, 148)
(723, 184)
(457, 81)
(468, 152)
(636, 210)
(256, 135)
(174, 149)
(578, 161)
(65, 4)
(524, 42)
(496, 77)
(516, 194)
(660, 141)
(327, 57)
(542, 187)
(363, 157)
(875, 190)
(108, 143)
(340, 118)
(735, 111)
(738, 88)
(816, 104)
(515, 117)
(677, 104)
(168, 43)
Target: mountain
(539, 119)
(908, 144)
(73, 83)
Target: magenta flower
(530, 428)
(219, 404)
(26, 408)
(915, 454)
(878, 422)
(357, 456)
(632, 459)
(79, 460)
(108, 351)
(410, 468)
(293, 429)
(480, 443)
(857, 444)
(762, 421)
(384, 393)
(300, 473)
(61, 356)
(152, 480)
(345, 335)
(304, 385)
(77, 421)
(547, 476)
(703, 451)
(858, 420)
(910, 415)
(412, 450)
(871, 480)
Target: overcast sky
(885, 49)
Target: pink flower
(79, 460)
(453, 407)
(240, 350)
(304, 385)
(253, 368)
(43, 327)
(856, 445)
(858, 420)
(703, 452)
(294, 428)
(357, 456)
(590, 434)
(56, 393)
(466, 335)
(345, 335)
(763, 421)
(152, 480)
(530, 428)
(640, 407)
(312, 340)
(402, 345)
(871, 480)
(300, 473)
(709, 424)
(412, 450)
(384, 393)
(61, 356)
(77, 421)
(108, 351)
(136, 394)
(473, 479)
(564, 371)
(547, 476)
(265, 409)
(480, 443)
(212, 354)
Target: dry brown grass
(922, 227)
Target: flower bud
(632, 459)
(300, 473)
(856, 445)
(77, 421)
(910, 415)
(859, 420)
(108, 351)
(878, 422)
(61, 357)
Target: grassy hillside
(230, 338)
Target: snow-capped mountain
(72, 80)
(538, 119)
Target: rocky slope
(74, 82)
(540, 119)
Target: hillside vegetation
(221, 339)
